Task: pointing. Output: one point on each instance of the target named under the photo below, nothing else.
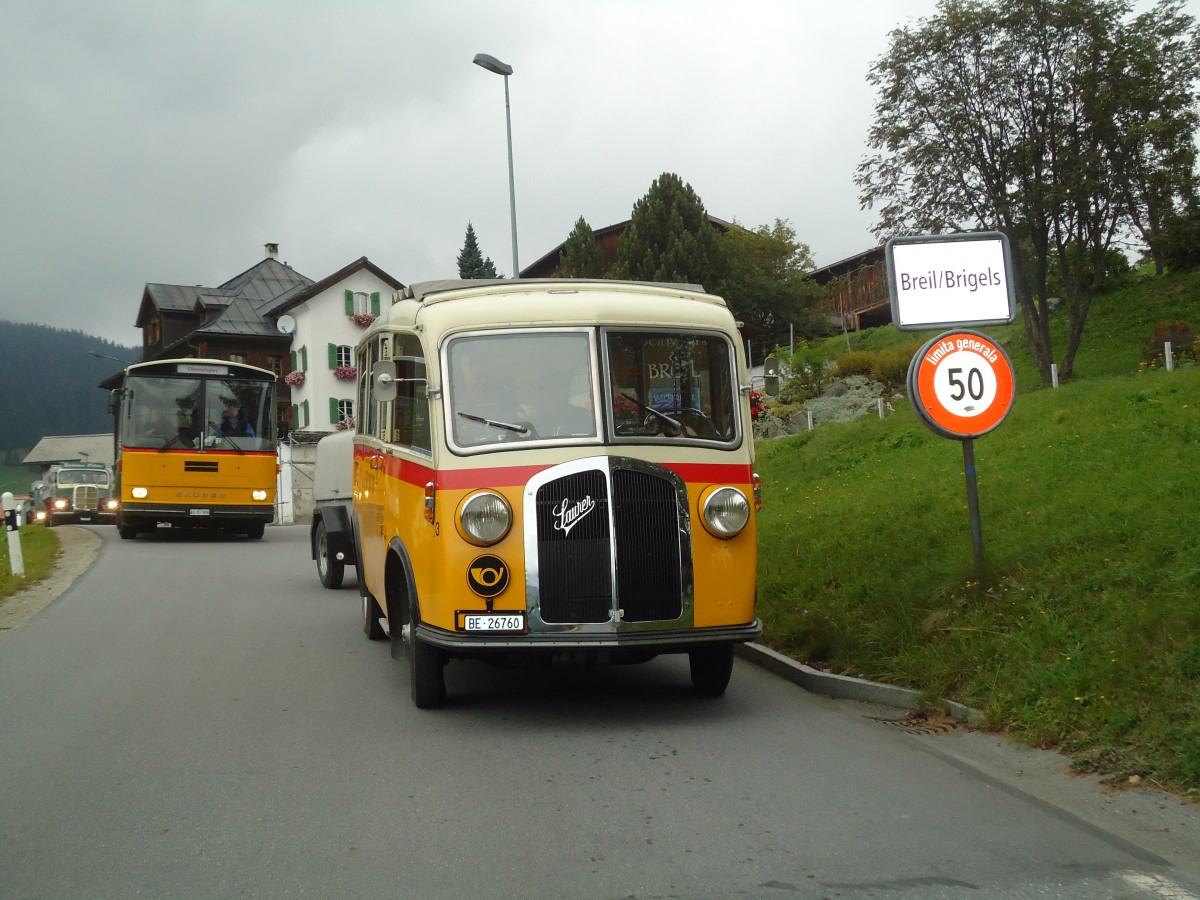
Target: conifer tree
(581, 255)
(471, 262)
(670, 238)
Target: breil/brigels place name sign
(950, 281)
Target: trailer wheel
(330, 570)
(711, 668)
(126, 531)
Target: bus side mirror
(771, 375)
(383, 381)
(114, 401)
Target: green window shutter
(292, 354)
(332, 356)
(305, 414)
(304, 358)
(375, 303)
(349, 303)
(333, 411)
(296, 414)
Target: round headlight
(60, 504)
(111, 503)
(140, 493)
(485, 518)
(726, 512)
(258, 495)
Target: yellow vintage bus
(195, 446)
(549, 470)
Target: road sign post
(961, 384)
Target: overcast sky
(168, 140)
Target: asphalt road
(200, 718)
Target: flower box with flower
(345, 373)
(294, 379)
(362, 319)
(344, 424)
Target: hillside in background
(51, 383)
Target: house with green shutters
(273, 317)
(324, 322)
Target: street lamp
(494, 65)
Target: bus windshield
(543, 386)
(203, 413)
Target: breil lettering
(948, 279)
(571, 514)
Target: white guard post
(16, 560)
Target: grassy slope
(1082, 633)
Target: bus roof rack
(422, 289)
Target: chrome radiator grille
(87, 497)
(580, 561)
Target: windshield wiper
(507, 426)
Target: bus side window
(411, 407)
(367, 357)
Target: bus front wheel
(371, 616)
(711, 668)
(427, 680)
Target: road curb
(844, 687)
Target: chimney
(272, 251)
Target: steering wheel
(693, 422)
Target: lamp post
(494, 65)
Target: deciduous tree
(766, 281)
(1007, 115)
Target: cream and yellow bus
(550, 470)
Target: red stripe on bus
(517, 476)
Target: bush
(854, 362)
(806, 373)
(891, 365)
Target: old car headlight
(111, 503)
(140, 493)
(259, 495)
(725, 512)
(60, 503)
(484, 518)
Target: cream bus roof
(455, 305)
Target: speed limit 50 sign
(961, 384)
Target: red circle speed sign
(961, 384)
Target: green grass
(39, 551)
(1083, 631)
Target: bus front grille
(87, 497)
(580, 560)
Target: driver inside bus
(233, 423)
